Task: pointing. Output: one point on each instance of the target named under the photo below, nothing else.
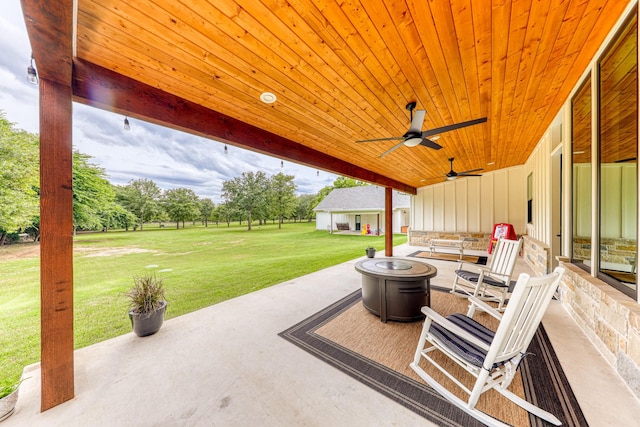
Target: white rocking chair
(489, 283)
(492, 358)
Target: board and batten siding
(472, 204)
(539, 165)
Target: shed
(361, 209)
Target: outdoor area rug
(348, 337)
(473, 259)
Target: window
(616, 247)
(581, 156)
(530, 198)
(617, 161)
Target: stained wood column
(56, 244)
(388, 221)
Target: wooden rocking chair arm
(471, 266)
(485, 307)
(453, 328)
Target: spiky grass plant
(147, 294)
(8, 386)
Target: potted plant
(146, 304)
(8, 397)
(370, 251)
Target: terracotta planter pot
(147, 324)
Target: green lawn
(200, 267)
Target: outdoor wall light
(127, 126)
(282, 164)
(32, 74)
(226, 150)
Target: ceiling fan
(415, 135)
(451, 175)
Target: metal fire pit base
(396, 289)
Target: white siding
(539, 164)
(323, 220)
(582, 199)
(400, 219)
(472, 204)
(619, 201)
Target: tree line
(99, 205)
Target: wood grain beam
(50, 28)
(105, 89)
(56, 244)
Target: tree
(304, 206)
(282, 196)
(117, 216)
(92, 193)
(141, 197)
(340, 182)
(19, 178)
(207, 209)
(225, 212)
(345, 182)
(247, 193)
(181, 204)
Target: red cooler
(502, 231)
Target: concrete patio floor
(226, 366)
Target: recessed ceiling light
(491, 163)
(578, 152)
(267, 97)
(434, 137)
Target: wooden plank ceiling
(344, 70)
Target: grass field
(200, 267)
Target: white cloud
(170, 158)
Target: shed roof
(363, 198)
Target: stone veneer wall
(610, 319)
(479, 241)
(617, 251)
(537, 255)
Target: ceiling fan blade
(417, 122)
(468, 174)
(394, 138)
(392, 149)
(431, 144)
(436, 131)
(469, 171)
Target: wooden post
(56, 244)
(388, 221)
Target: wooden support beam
(50, 28)
(105, 89)
(56, 244)
(388, 221)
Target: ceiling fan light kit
(412, 142)
(415, 136)
(452, 175)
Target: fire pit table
(395, 289)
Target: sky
(170, 158)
